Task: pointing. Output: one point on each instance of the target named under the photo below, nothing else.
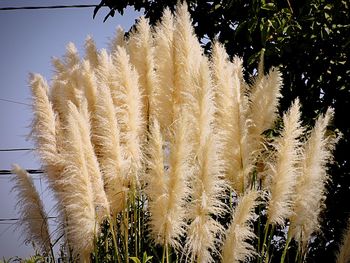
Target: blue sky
(28, 40)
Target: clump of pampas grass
(151, 145)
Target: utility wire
(10, 8)
(16, 219)
(30, 171)
(16, 102)
(16, 149)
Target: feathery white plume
(187, 57)
(168, 196)
(164, 64)
(117, 40)
(109, 152)
(283, 170)
(311, 183)
(82, 120)
(263, 104)
(91, 53)
(33, 218)
(236, 246)
(343, 255)
(208, 186)
(78, 194)
(141, 50)
(130, 111)
(231, 121)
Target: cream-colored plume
(78, 193)
(130, 110)
(310, 190)
(264, 99)
(204, 232)
(71, 58)
(33, 218)
(230, 120)
(169, 199)
(88, 81)
(157, 185)
(44, 122)
(45, 130)
(118, 40)
(236, 247)
(283, 169)
(164, 64)
(83, 121)
(187, 58)
(66, 85)
(208, 185)
(141, 50)
(343, 255)
(109, 152)
(106, 75)
(91, 53)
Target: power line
(16, 149)
(30, 171)
(16, 219)
(16, 102)
(10, 8)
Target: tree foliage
(309, 41)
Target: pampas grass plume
(108, 149)
(164, 63)
(33, 218)
(117, 40)
(92, 165)
(141, 50)
(236, 247)
(230, 120)
(208, 185)
(44, 121)
(311, 183)
(283, 170)
(168, 189)
(78, 195)
(177, 185)
(91, 53)
(130, 112)
(71, 58)
(263, 104)
(343, 255)
(45, 130)
(187, 58)
(157, 185)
